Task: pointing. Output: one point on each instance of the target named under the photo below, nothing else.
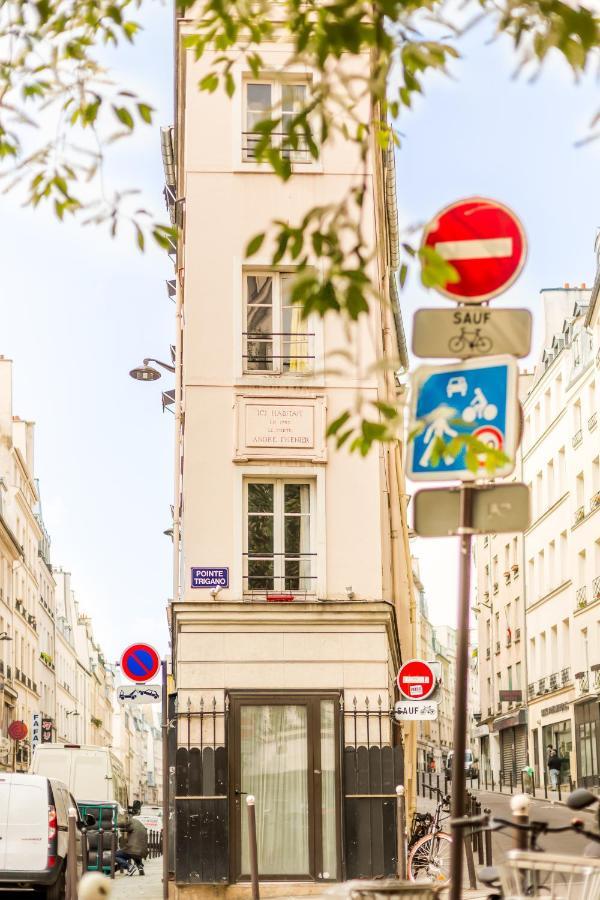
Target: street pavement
(148, 887)
(554, 814)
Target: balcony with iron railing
(294, 580)
(517, 635)
(579, 515)
(531, 690)
(583, 682)
(595, 500)
(592, 421)
(581, 597)
(565, 676)
(279, 353)
(577, 438)
(497, 647)
(515, 570)
(596, 588)
(487, 653)
(278, 140)
(542, 686)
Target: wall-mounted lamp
(146, 372)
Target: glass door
(285, 751)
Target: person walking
(553, 768)
(133, 846)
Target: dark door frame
(312, 700)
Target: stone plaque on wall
(271, 427)
(279, 425)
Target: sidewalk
(148, 887)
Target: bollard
(520, 815)
(485, 779)
(545, 785)
(488, 842)
(480, 858)
(401, 828)
(437, 781)
(522, 783)
(470, 861)
(250, 801)
(571, 785)
(445, 784)
(511, 781)
(71, 891)
(558, 783)
(430, 785)
(492, 774)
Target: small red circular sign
(17, 730)
(416, 680)
(486, 244)
(140, 662)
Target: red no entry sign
(484, 241)
(140, 662)
(17, 730)
(416, 680)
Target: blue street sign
(209, 577)
(477, 398)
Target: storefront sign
(558, 707)
(36, 729)
(270, 425)
(511, 696)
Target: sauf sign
(417, 682)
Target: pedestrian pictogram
(452, 405)
(140, 662)
(416, 680)
(485, 243)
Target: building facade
(539, 593)
(285, 671)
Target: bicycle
(471, 340)
(429, 852)
(533, 873)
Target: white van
(92, 774)
(34, 834)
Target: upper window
(274, 99)
(278, 552)
(276, 338)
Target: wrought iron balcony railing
(280, 577)
(287, 352)
(577, 438)
(583, 682)
(581, 597)
(517, 635)
(592, 421)
(554, 681)
(565, 675)
(579, 514)
(531, 690)
(542, 686)
(279, 141)
(596, 588)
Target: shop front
(513, 746)
(587, 735)
(558, 735)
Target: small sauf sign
(209, 577)
(423, 711)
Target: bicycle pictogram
(470, 340)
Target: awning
(518, 718)
(481, 731)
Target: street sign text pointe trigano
(485, 243)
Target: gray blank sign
(496, 508)
(466, 331)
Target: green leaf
(338, 423)
(209, 83)
(255, 244)
(124, 116)
(145, 112)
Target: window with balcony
(279, 562)
(276, 339)
(279, 100)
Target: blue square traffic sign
(476, 398)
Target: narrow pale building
(292, 597)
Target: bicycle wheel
(456, 344)
(429, 859)
(483, 344)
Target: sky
(79, 310)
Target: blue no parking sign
(476, 398)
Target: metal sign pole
(461, 692)
(165, 781)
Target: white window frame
(276, 276)
(300, 158)
(279, 482)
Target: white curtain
(274, 763)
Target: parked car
(34, 834)
(151, 816)
(471, 764)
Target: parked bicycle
(429, 846)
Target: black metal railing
(577, 438)
(542, 685)
(579, 514)
(279, 351)
(565, 675)
(596, 588)
(592, 421)
(581, 597)
(531, 690)
(290, 585)
(517, 635)
(583, 681)
(279, 140)
(554, 681)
